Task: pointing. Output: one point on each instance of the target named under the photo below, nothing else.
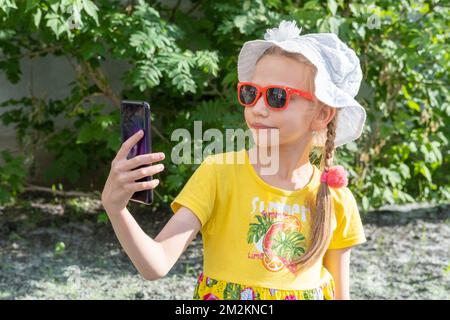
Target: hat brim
(352, 115)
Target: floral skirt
(212, 289)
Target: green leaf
(240, 22)
(87, 133)
(52, 22)
(388, 196)
(114, 141)
(365, 203)
(7, 5)
(351, 146)
(102, 218)
(332, 5)
(404, 170)
(434, 147)
(92, 50)
(334, 24)
(208, 61)
(37, 17)
(311, 5)
(413, 105)
(394, 177)
(425, 172)
(405, 92)
(91, 9)
(31, 4)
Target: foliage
(12, 175)
(288, 245)
(184, 63)
(258, 230)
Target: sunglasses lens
(247, 94)
(276, 97)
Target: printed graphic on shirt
(277, 235)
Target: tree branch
(100, 81)
(32, 54)
(174, 10)
(31, 187)
(194, 7)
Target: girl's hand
(121, 182)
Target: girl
(282, 236)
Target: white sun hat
(337, 79)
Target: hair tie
(335, 177)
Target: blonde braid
(328, 153)
(322, 218)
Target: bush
(184, 63)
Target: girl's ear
(323, 117)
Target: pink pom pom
(336, 177)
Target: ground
(55, 249)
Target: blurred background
(65, 65)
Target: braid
(321, 224)
(329, 144)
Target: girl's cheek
(247, 114)
(246, 117)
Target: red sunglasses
(276, 97)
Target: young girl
(282, 236)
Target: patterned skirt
(213, 289)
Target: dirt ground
(54, 249)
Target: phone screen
(135, 116)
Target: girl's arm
(337, 262)
(154, 258)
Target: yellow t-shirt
(249, 226)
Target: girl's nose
(260, 107)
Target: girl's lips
(261, 126)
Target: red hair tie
(335, 177)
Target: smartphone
(134, 116)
